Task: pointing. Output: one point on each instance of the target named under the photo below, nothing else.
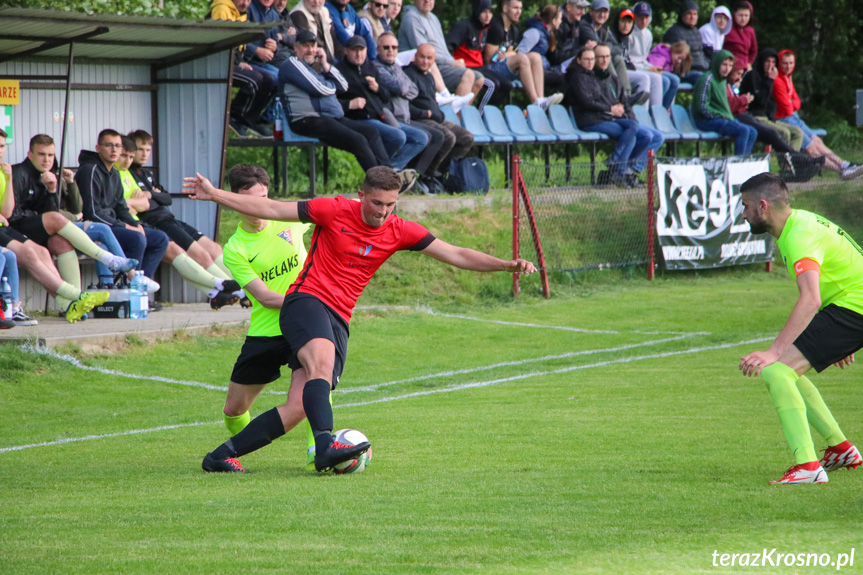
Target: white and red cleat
(839, 456)
(811, 472)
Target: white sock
(220, 285)
(845, 164)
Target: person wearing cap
(594, 27)
(686, 30)
(640, 44)
(420, 26)
(346, 24)
(308, 85)
(365, 101)
(567, 33)
(312, 16)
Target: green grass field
(607, 431)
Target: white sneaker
(462, 101)
(152, 287)
(22, 319)
(543, 103)
(444, 97)
(851, 172)
(836, 457)
(555, 99)
(811, 472)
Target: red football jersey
(346, 252)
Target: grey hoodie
(417, 29)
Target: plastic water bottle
(139, 304)
(279, 124)
(6, 294)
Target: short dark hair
(3, 134)
(767, 186)
(129, 144)
(244, 176)
(142, 136)
(40, 140)
(741, 5)
(381, 178)
(107, 132)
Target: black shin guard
(319, 412)
(260, 432)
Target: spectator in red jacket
(787, 106)
(741, 40)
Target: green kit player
(265, 257)
(825, 327)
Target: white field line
(409, 395)
(430, 311)
(509, 364)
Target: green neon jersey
(808, 236)
(130, 185)
(276, 255)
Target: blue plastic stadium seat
(662, 122)
(684, 87)
(497, 126)
(450, 115)
(473, 123)
(539, 123)
(599, 135)
(684, 123)
(561, 123)
(293, 138)
(518, 125)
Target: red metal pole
(651, 216)
(516, 178)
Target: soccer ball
(352, 437)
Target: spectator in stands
(594, 27)
(641, 81)
(424, 109)
(714, 32)
(639, 46)
(675, 59)
(685, 29)
(787, 106)
(539, 37)
(36, 214)
(9, 270)
(365, 101)
(102, 194)
(393, 11)
(567, 34)
(373, 17)
(741, 40)
(402, 91)
(466, 41)
(711, 110)
(189, 259)
(308, 84)
(596, 99)
(312, 16)
(346, 24)
(739, 104)
(153, 190)
(256, 88)
(759, 83)
(286, 31)
(420, 26)
(9, 260)
(269, 54)
(503, 61)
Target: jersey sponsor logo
(286, 235)
(281, 269)
(364, 250)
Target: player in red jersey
(350, 242)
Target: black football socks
(260, 432)
(319, 412)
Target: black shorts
(172, 227)
(8, 234)
(260, 360)
(32, 227)
(303, 318)
(833, 334)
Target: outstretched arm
(804, 310)
(200, 188)
(468, 259)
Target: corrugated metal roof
(160, 42)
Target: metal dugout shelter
(80, 73)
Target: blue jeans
(102, 235)
(9, 269)
(743, 135)
(656, 141)
(670, 84)
(402, 143)
(808, 134)
(631, 143)
(148, 248)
